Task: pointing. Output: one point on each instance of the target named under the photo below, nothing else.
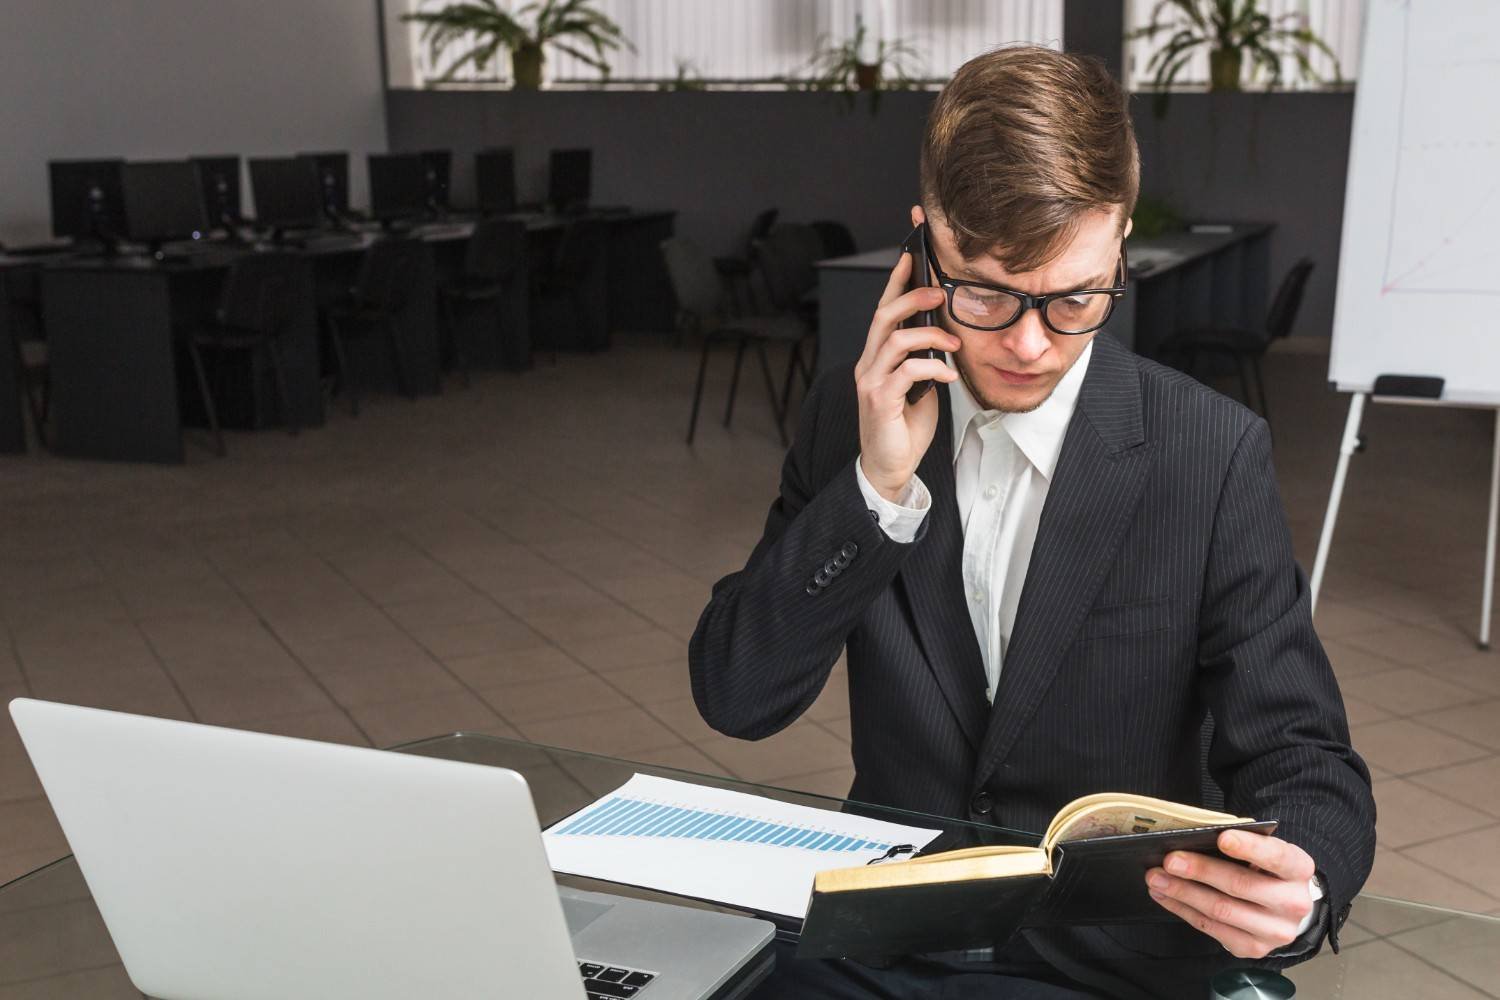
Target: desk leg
(1489, 550)
(1346, 450)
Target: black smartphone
(921, 274)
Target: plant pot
(866, 76)
(1224, 69)
(526, 65)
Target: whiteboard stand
(1352, 443)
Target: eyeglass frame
(1038, 302)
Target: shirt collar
(1037, 433)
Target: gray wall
(170, 78)
(719, 157)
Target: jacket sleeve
(1281, 745)
(772, 632)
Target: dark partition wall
(719, 157)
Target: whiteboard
(1419, 264)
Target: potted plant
(1234, 32)
(570, 26)
(844, 68)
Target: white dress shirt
(1002, 466)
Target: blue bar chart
(627, 817)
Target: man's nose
(1028, 340)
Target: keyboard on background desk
(606, 982)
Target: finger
(1234, 940)
(903, 307)
(903, 342)
(1271, 854)
(915, 370)
(1225, 909)
(900, 275)
(1234, 879)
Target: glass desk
(54, 945)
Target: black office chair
(382, 289)
(837, 240)
(571, 292)
(787, 262)
(700, 310)
(738, 268)
(1244, 346)
(492, 261)
(256, 310)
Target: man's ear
(1129, 225)
(918, 216)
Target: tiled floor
(529, 557)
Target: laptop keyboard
(605, 982)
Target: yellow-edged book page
(1112, 814)
(968, 864)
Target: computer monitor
(288, 193)
(163, 201)
(87, 199)
(495, 181)
(568, 179)
(398, 186)
(333, 177)
(438, 164)
(221, 189)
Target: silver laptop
(238, 866)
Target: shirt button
(989, 494)
(978, 595)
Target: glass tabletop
(53, 942)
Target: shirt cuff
(1314, 889)
(899, 521)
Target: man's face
(1015, 369)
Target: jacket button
(832, 567)
(814, 590)
(849, 551)
(982, 804)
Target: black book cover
(1096, 881)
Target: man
(1047, 570)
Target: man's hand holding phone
(894, 435)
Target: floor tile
(1406, 691)
(619, 732)
(1401, 877)
(633, 650)
(1480, 851)
(449, 641)
(537, 701)
(654, 683)
(395, 683)
(1412, 814)
(1477, 722)
(1402, 746)
(1411, 645)
(800, 749)
(1474, 784)
(390, 723)
(492, 670)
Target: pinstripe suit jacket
(1161, 585)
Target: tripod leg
(734, 380)
(1489, 551)
(1347, 448)
(698, 391)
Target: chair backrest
(495, 250)
(761, 227)
(1283, 312)
(787, 258)
(695, 283)
(386, 274)
(260, 294)
(836, 238)
(581, 248)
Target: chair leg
(398, 356)
(208, 397)
(776, 411)
(792, 363)
(347, 381)
(698, 391)
(288, 413)
(455, 341)
(734, 380)
(1260, 383)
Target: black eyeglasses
(981, 306)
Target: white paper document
(729, 847)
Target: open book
(1089, 869)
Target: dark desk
(12, 386)
(112, 350)
(1177, 281)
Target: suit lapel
(932, 577)
(1093, 495)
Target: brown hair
(1022, 143)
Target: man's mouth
(1018, 378)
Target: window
(740, 44)
(1338, 22)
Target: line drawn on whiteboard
(1447, 142)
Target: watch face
(1251, 984)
